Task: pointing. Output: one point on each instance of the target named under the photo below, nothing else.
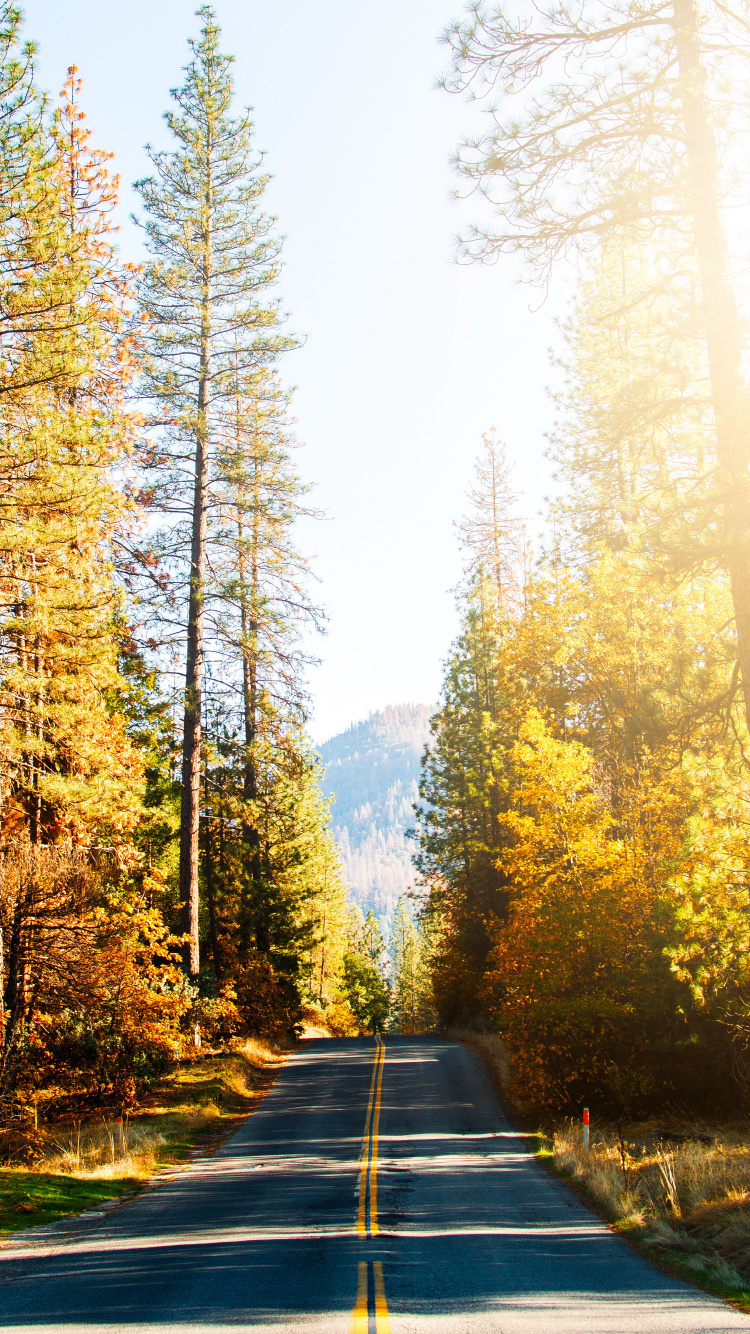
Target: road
(378, 1189)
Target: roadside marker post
(585, 1130)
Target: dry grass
(80, 1163)
(198, 1096)
(691, 1202)
(130, 1149)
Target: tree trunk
(191, 737)
(722, 326)
(212, 920)
(249, 627)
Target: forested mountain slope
(372, 769)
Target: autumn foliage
(97, 607)
(583, 821)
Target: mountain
(372, 769)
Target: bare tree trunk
(213, 924)
(191, 737)
(249, 614)
(250, 833)
(212, 921)
(722, 326)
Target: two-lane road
(378, 1189)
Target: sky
(408, 356)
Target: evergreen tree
(68, 765)
(628, 143)
(411, 947)
(492, 534)
(363, 973)
(212, 324)
(463, 787)
(277, 944)
(257, 599)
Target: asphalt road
(377, 1189)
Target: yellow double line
(361, 1312)
(367, 1212)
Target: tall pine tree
(212, 321)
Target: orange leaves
(574, 973)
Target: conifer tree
(492, 533)
(68, 765)
(411, 947)
(631, 142)
(205, 295)
(363, 972)
(277, 938)
(463, 786)
(257, 599)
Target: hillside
(372, 769)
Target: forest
(169, 876)
(583, 826)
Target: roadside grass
(28, 1199)
(82, 1163)
(686, 1206)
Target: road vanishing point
(378, 1189)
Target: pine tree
(205, 294)
(69, 768)
(463, 786)
(363, 972)
(257, 600)
(411, 949)
(492, 533)
(629, 143)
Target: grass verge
(84, 1163)
(686, 1206)
(29, 1199)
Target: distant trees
(413, 1003)
(363, 974)
(372, 769)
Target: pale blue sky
(409, 357)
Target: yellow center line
(365, 1155)
(382, 1321)
(374, 1229)
(370, 1300)
(360, 1316)
(367, 1211)
(371, 1295)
